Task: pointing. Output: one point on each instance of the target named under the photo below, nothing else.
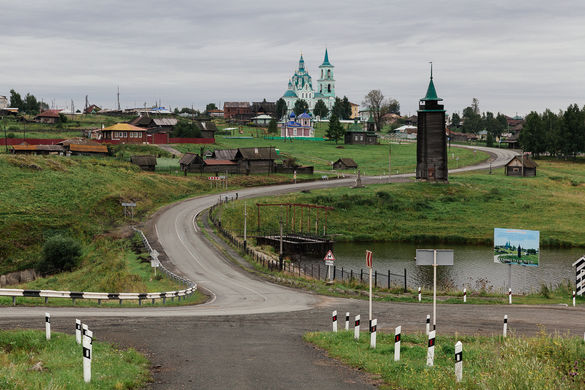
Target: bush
(60, 253)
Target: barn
(146, 162)
(345, 163)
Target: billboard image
(515, 246)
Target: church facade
(300, 86)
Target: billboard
(515, 246)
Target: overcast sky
(514, 56)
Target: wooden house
(191, 162)
(219, 167)
(256, 160)
(48, 116)
(345, 163)
(514, 167)
(225, 154)
(154, 125)
(124, 133)
(355, 135)
(37, 149)
(237, 110)
(207, 128)
(146, 163)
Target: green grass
(371, 159)
(61, 359)
(542, 362)
(464, 211)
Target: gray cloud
(513, 56)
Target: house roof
(431, 92)
(39, 148)
(266, 153)
(348, 162)
(88, 148)
(164, 121)
(49, 114)
(123, 127)
(263, 116)
(143, 160)
(236, 105)
(206, 125)
(225, 154)
(212, 161)
(290, 93)
(77, 141)
(528, 162)
(187, 158)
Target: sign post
(434, 257)
(369, 265)
(329, 261)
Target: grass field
(543, 362)
(61, 361)
(464, 211)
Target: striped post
(87, 352)
(428, 324)
(347, 321)
(505, 326)
(373, 327)
(356, 330)
(431, 349)
(397, 343)
(419, 294)
(458, 361)
(573, 298)
(509, 296)
(84, 330)
(78, 331)
(464, 295)
(48, 326)
(334, 320)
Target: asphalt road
(249, 334)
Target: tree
(472, 122)
(280, 108)
(335, 130)
(300, 107)
(210, 106)
(272, 126)
(31, 106)
(455, 120)
(60, 253)
(393, 107)
(62, 118)
(186, 129)
(320, 109)
(374, 101)
(16, 100)
(337, 108)
(489, 142)
(346, 105)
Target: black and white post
(373, 333)
(346, 320)
(78, 331)
(87, 355)
(431, 349)
(419, 294)
(334, 320)
(509, 296)
(458, 361)
(464, 295)
(48, 326)
(573, 298)
(356, 330)
(369, 264)
(397, 332)
(428, 328)
(84, 330)
(505, 332)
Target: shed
(48, 116)
(256, 160)
(37, 149)
(514, 166)
(219, 166)
(146, 163)
(191, 162)
(345, 163)
(225, 154)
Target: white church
(300, 86)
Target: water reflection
(474, 266)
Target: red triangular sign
(329, 256)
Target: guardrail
(191, 287)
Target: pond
(473, 268)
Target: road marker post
(356, 330)
(334, 321)
(573, 298)
(373, 327)
(464, 295)
(428, 324)
(509, 296)
(84, 330)
(370, 266)
(78, 331)
(431, 349)
(505, 333)
(419, 294)
(48, 326)
(458, 361)
(397, 343)
(347, 321)
(87, 355)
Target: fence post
(350, 275)
(342, 274)
(376, 279)
(319, 271)
(334, 270)
(388, 279)
(405, 285)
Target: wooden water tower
(431, 148)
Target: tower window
(328, 73)
(321, 73)
(328, 87)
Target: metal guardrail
(191, 287)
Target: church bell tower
(431, 148)
(326, 79)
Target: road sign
(368, 259)
(129, 204)
(425, 256)
(329, 258)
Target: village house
(93, 109)
(264, 108)
(345, 163)
(355, 135)
(237, 111)
(154, 125)
(146, 162)
(3, 102)
(124, 133)
(48, 116)
(521, 166)
(256, 160)
(84, 147)
(262, 120)
(37, 149)
(215, 113)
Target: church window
(328, 73)
(328, 87)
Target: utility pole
(118, 95)
(86, 103)
(389, 160)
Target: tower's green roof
(326, 60)
(431, 91)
